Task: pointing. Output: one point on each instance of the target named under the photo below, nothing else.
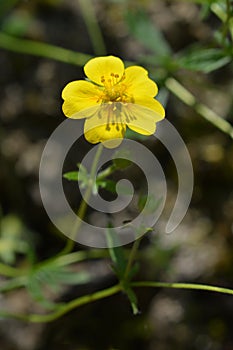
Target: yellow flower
(112, 98)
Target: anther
(127, 119)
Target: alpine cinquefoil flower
(112, 98)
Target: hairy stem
(37, 48)
(83, 206)
(189, 99)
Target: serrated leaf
(51, 278)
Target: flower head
(112, 98)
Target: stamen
(99, 114)
(108, 128)
(132, 117)
(127, 118)
(122, 130)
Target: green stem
(80, 256)
(86, 299)
(106, 172)
(189, 99)
(193, 286)
(37, 48)
(93, 27)
(9, 271)
(83, 206)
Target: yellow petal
(141, 119)
(138, 83)
(80, 95)
(152, 106)
(100, 68)
(97, 130)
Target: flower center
(115, 99)
(114, 89)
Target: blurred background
(170, 39)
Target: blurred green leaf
(6, 5)
(12, 240)
(121, 159)
(18, 23)
(116, 253)
(204, 60)
(218, 7)
(46, 282)
(146, 33)
(133, 135)
(121, 163)
(106, 184)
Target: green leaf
(46, 281)
(133, 135)
(204, 60)
(35, 290)
(18, 23)
(219, 9)
(12, 238)
(71, 176)
(108, 185)
(81, 176)
(146, 33)
(133, 300)
(121, 159)
(116, 253)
